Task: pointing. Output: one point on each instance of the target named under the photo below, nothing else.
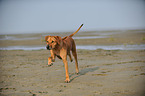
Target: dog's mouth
(48, 47)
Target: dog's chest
(57, 53)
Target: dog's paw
(71, 60)
(50, 64)
(67, 80)
(53, 60)
(77, 73)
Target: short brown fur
(61, 47)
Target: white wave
(86, 47)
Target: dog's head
(53, 42)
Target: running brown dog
(61, 47)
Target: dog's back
(69, 42)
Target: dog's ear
(58, 39)
(46, 37)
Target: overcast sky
(32, 16)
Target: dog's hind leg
(70, 57)
(75, 56)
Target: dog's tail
(76, 31)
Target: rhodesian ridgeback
(61, 47)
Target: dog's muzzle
(48, 47)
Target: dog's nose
(48, 48)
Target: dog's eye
(47, 41)
(52, 41)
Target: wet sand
(102, 72)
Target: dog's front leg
(51, 59)
(66, 70)
(63, 55)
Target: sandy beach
(102, 72)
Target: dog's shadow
(83, 72)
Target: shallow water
(33, 38)
(86, 47)
(94, 36)
(16, 38)
(90, 37)
(112, 47)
